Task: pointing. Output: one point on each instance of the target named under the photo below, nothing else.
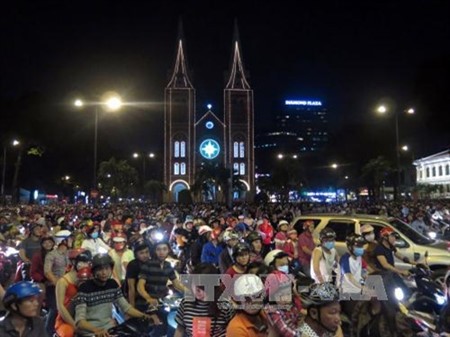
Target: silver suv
(410, 243)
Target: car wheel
(439, 276)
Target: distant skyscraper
(300, 127)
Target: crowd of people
(85, 266)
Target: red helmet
(386, 231)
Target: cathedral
(220, 139)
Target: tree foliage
(117, 178)
(374, 173)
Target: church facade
(222, 141)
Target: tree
(117, 178)
(374, 173)
(154, 189)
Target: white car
(410, 243)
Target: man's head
(141, 251)
(102, 265)
(36, 229)
(308, 225)
(241, 254)
(22, 298)
(162, 250)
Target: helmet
(121, 237)
(20, 290)
(204, 229)
(366, 229)
(84, 273)
(62, 235)
(73, 253)
(84, 256)
(241, 227)
(327, 233)
(386, 231)
(320, 295)
(273, 255)
(354, 239)
(253, 236)
(229, 235)
(282, 223)
(101, 260)
(240, 248)
(139, 245)
(247, 285)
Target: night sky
(348, 54)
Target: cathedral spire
(237, 79)
(180, 73)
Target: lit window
(241, 150)
(183, 149)
(242, 169)
(235, 150)
(183, 169)
(176, 169)
(235, 168)
(176, 149)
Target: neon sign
(209, 149)
(305, 103)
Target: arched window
(428, 172)
(183, 150)
(419, 173)
(440, 171)
(433, 171)
(176, 169)
(235, 150)
(183, 169)
(176, 149)
(241, 150)
(447, 169)
(235, 168)
(242, 169)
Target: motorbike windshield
(411, 233)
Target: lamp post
(150, 155)
(112, 102)
(382, 109)
(14, 143)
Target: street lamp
(334, 166)
(14, 143)
(111, 102)
(150, 155)
(382, 109)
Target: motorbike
(170, 303)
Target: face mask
(329, 245)
(283, 269)
(370, 237)
(358, 251)
(94, 235)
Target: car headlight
(399, 294)
(432, 235)
(440, 299)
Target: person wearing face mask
(94, 242)
(385, 252)
(353, 267)
(325, 259)
(367, 232)
(121, 256)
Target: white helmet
(62, 235)
(204, 229)
(247, 285)
(272, 255)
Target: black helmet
(101, 260)
(327, 233)
(138, 246)
(354, 239)
(320, 295)
(253, 236)
(240, 248)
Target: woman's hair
(196, 279)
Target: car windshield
(412, 234)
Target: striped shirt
(188, 310)
(156, 276)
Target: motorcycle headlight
(440, 299)
(399, 294)
(159, 236)
(432, 235)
